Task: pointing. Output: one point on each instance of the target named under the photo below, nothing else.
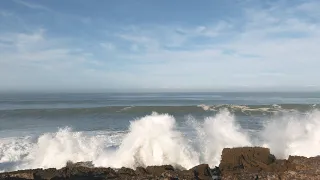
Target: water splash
(156, 139)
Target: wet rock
(251, 176)
(126, 172)
(158, 170)
(88, 164)
(141, 171)
(94, 173)
(172, 175)
(22, 174)
(202, 172)
(216, 173)
(46, 174)
(236, 164)
(258, 163)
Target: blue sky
(159, 45)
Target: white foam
(293, 134)
(14, 149)
(152, 140)
(219, 132)
(54, 150)
(156, 140)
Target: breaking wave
(156, 139)
(202, 108)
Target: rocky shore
(243, 163)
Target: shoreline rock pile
(243, 163)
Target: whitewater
(157, 139)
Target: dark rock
(126, 172)
(45, 174)
(141, 171)
(216, 173)
(187, 174)
(279, 165)
(21, 174)
(236, 164)
(158, 170)
(202, 171)
(172, 175)
(77, 164)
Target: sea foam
(156, 139)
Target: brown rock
(158, 170)
(126, 172)
(258, 163)
(86, 173)
(236, 164)
(251, 176)
(279, 165)
(141, 171)
(22, 174)
(298, 163)
(46, 174)
(77, 164)
(253, 159)
(202, 171)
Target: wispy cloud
(270, 42)
(34, 60)
(108, 46)
(32, 5)
(267, 46)
(5, 13)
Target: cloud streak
(272, 46)
(28, 4)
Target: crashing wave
(156, 139)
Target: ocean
(46, 130)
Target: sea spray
(55, 149)
(293, 134)
(156, 139)
(222, 131)
(152, 140)
(215, 133)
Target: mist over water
(158, 139)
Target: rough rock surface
(79, 172)
(237, 163)
(257, 163)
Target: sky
(211, 45)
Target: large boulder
(257, 163)
(202, 172)
(252, 159)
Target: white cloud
(277, 46)
(37, 62)
(272, 48)
(31, 5)
(108, 46)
